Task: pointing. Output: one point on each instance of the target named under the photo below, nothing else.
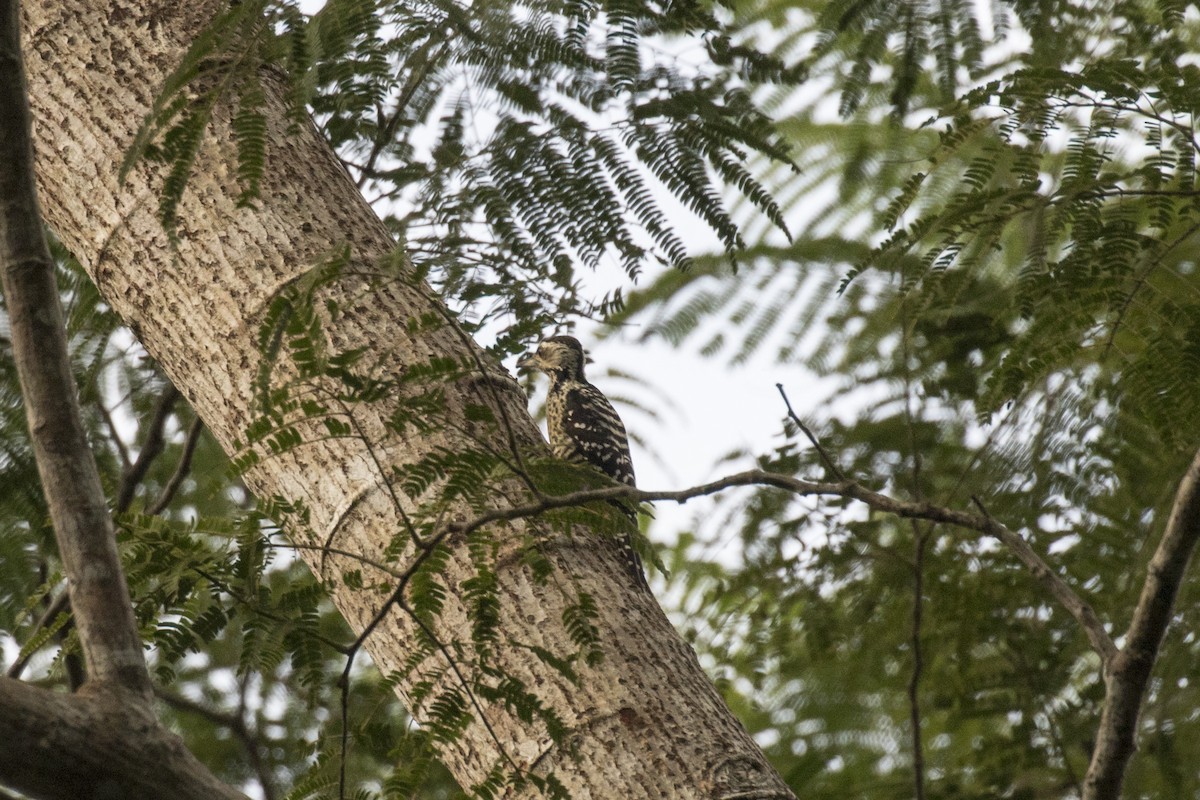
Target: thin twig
(396, 598)
(348, 411)
(58, 605)
(227, 589)
(114, 435)
(920, 538)
(388, 129)
(983, 523)
(337, 551)
(918, 665)
(1141, 279)
(152, 447)
(829, 462)
(1053, 728)
(235, 723)
(489, 380)
(1075, 605)
(352, 651)
(181, 470)
(1079, 609)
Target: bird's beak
(527, 362)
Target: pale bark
(646, 722)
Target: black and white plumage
(583, 425)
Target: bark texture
(645, 723)
(70, 480)
(96, 746)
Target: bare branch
(920, 538)
(983, 523)
(152, 447)
(914, 682)
(1101, 642)
(181, 470)
(830, 464)
(1076, 606)
(114, 435)
(329, 550)
(1130, 671)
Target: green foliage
(995, 275)
(521, 140)
(223, 61)
(524, 140)
(996, 283)
(309, 391)
(239, 629)
(579, 620)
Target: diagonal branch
(114, 435)
(1075, 605)
(1130, 672)
(152, 447)
(181, 469)
(82, 523)
(830, 464)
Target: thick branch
(95, 744)
(1130, 673)
(70, 480)
(1076, 606)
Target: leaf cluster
(996, 287)
(512, 144)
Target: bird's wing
(597, 433)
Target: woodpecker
(583, 425)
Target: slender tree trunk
(104, 740)
(645, 722)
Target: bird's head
(558, 356)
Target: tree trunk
(645, 722)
